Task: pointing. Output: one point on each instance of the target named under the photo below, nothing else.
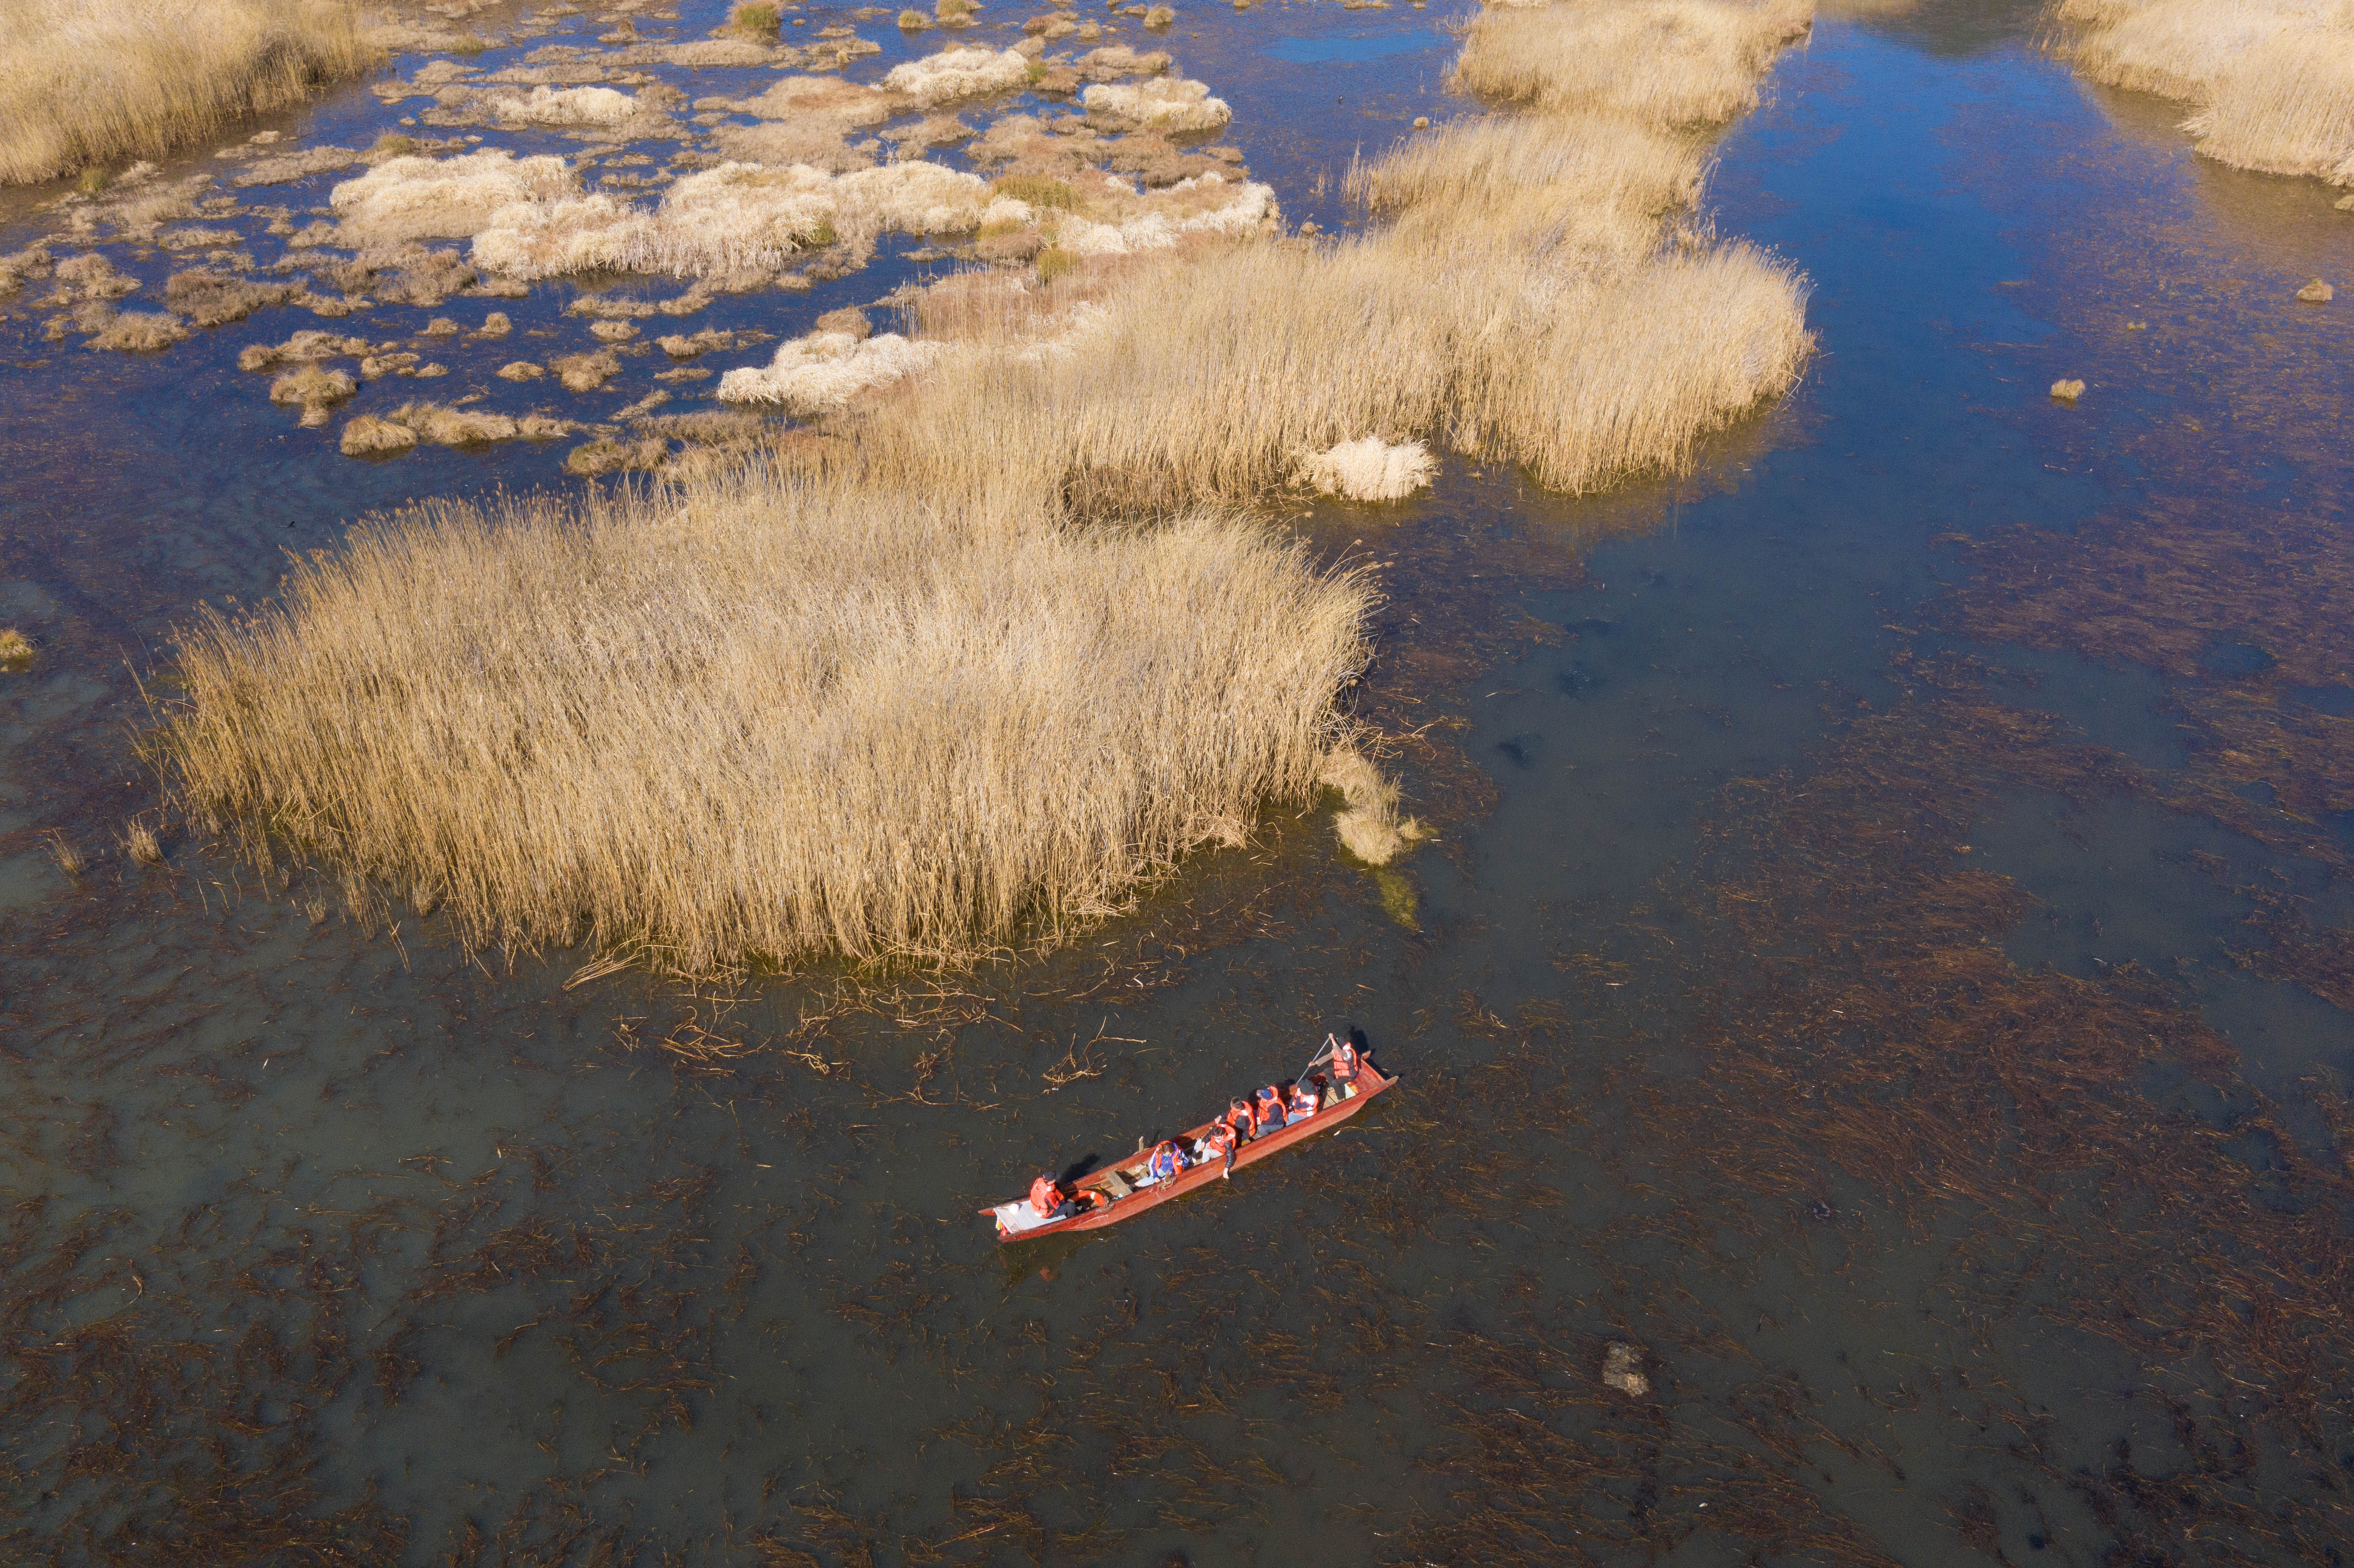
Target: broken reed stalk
(762, 716)
(88, 81)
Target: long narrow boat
(1119, 1192)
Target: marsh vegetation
(1003, 647)
(764, 717)
(87, 81)
(2272, 81)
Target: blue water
(1371, 47)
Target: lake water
(1886, 955)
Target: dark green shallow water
(1879, 959)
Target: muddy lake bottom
(1887, 955)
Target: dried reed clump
(1368, 470)
(586, 372)
(417, 198)
(313, 390)
(1584, 365)
(62, 850)
(369, 437)
(957, 73)
(2067, 391)
(450, 427)
(767, 716)
(568, 106)
(1368, 821)
(16, 649)
(1660, 62)
(138, 332)
(88, 81)
(822, 372)
(139, 842)
(2273, 79)
(1625, 372)
(1582, 184)
(2317, 294)
(1166, 103)
(529, 218)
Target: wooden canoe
(1115, 1196)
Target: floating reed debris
(88, 81)
(760, 716)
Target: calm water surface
(1886, 956)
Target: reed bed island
(987, 638)
(2271, 83)
(85, 82)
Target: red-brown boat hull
(1371, 1081)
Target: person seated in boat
(1267, 1110)
(1302, 1103)
(1168, 1160)
(1220, 1143)
(1347, 1063)
(1240, 1121)
(1048, 1200)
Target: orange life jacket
(1303, 1104)
(1239, 1119)
(1345, 1061)
(1221, 1140)
(1168, 1160)
(1267, 1109)
(1045, 1195)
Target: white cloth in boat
(1018, 1217)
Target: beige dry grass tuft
(1368, 470)
(769, 717)
(84, 82)
(1661, 62)
(139, 842)
(2272, 79)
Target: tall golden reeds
(1661, 62)
(2272, 79)
(82, 81)
(926, 678)
(765, 717)
(1520, 305)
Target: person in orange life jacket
(1267, 1110)
(1239, 1119)
(1047, 1201)
(1219, 1144)
(1302, 1105)
(1346, 1063)
(1168, 1160)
